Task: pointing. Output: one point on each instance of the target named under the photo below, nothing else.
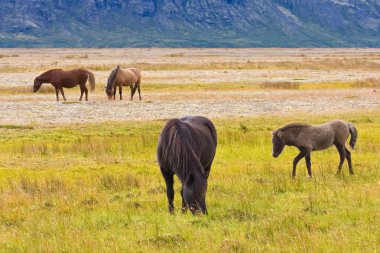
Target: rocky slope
(190, 23)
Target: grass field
(97, 188)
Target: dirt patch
(42, 109)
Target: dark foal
(308, 138)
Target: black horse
(186, 147)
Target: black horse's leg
(63, 94)
(308, 164)
(114, 92)
(348, 157)
(121, 92)
(342, 155)
(169, 189)
(304, 152)
(184, 206)
(57, 93)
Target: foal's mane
(176, 145)
(293, 125)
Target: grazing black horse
(186, 147)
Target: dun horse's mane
(112, 77)
(177, 149)
(293, 125)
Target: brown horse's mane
(48, 72)
(293, 125)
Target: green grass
(97, 188)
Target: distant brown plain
(212, 82)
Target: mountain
(190, 23)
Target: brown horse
(186, 147)
(308, 138)
(123, 77)
(66, 79)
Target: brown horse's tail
(91, 79)
(354, 135)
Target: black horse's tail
(354, 135)
(112, 77)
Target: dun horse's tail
(354, 135)
(91, 79)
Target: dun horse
(66, 79)
(308, 138)
(186, 147)
(123, 77)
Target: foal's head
(278, 143)
(194, 193)
(37, 84)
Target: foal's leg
(63, 94)
(184, 206)
(342, 155)
(169, 188)
(308, 164)
(57, 93)
(348, 157)
(304, 152)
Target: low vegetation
(301, 62)
(217, 86)
(97, 188)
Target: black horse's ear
(190, 179)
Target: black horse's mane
(177, 150)
(111, 78)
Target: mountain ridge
(190, 23)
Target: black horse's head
(37, 84)
(278, 143)
(194, 193)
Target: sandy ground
(18, 67)
(42, 109)
(35, 61)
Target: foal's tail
(354, 135)
(91, 79)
